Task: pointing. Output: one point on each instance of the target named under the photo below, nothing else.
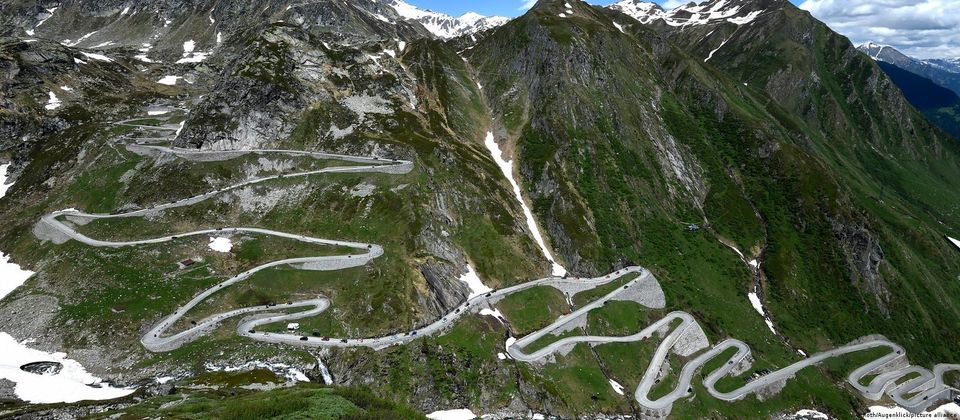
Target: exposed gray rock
(864, 256)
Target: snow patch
(506, 166)
(82, 38)
(812, 414)
(954, 241)
(616, 387)
(52, 103)
(743, 20)
(3, 182)
(494, 313)
(221, 244)
(195, 57)
(73, 383)
(476, 286)
(12, 275)
(458, 414)
(98, 57)
(50, 11)
(169, 80)
(755, 301)
(716, 49)
(192, 56)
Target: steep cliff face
(626, 132)
(577, 101)
(163, 29)
(839, 108)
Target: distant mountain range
(446, 26)
(944, 72)
(931, 86)
(715, 11)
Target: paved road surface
(915, 394)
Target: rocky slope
(639, 136)
(939, 104)
(847, 133)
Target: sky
(921, 28)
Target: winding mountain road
(685, 339)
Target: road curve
(916, 394)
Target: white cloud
(527, 4)
(924, 28)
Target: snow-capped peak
(642, 11)
(873, 45)
(692, 14)
(883, 52)
(446, 26)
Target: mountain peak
(740, 12)
(882, 52)
(443, 25)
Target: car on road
(325, 339)
(304, 338)
(343, 340)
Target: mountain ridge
(944, 72)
